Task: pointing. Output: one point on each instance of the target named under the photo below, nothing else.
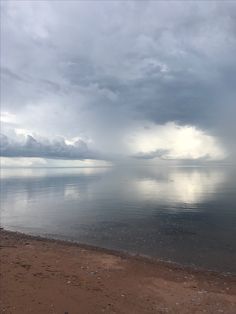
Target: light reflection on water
(181, 187)
(185, 214)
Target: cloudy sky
(93, 81)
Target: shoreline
(90, 279)
(120, 253)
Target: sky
(99, 82)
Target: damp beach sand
(49, 276)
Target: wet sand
(48, 276)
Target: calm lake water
(182, 214)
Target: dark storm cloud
(159, 153)
(98, 68)
(57, 149)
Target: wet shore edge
(191, 269)
(41, 275)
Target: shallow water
(182, 214)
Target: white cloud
(7, 117)
(171, 141)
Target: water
(182, 214)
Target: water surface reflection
(186, 214)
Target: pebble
(202, 291)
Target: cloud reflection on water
(181, 186)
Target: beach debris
(202, 291)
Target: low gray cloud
(159, 153)
(54, 149)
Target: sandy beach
(49, 276)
